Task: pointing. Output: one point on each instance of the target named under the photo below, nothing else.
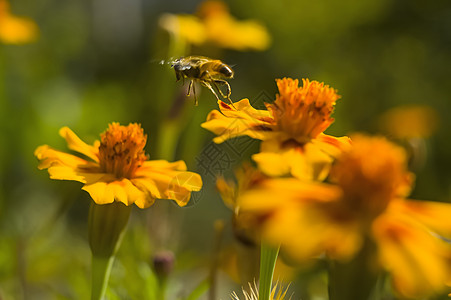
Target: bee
(208, 72)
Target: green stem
(354, 279)
(101, 269)
(267, 264)
(162, 289)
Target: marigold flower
(291, 129)
(118, 168)
(366, 202)
(16, 30)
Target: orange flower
(366, 202)
(16, 30)
(118, 168)
(291, 129)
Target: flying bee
(208, 72)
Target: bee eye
(226, 71)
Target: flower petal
(160, 164)
(307, 162)
(49, 157)
(332, 145)
(435, 215)
(163, 180)
(240, 120)
(315, 233)
(418, 261)
(266, 195)
(65, 166)
(243, 109)
(76, 144)
(99, 192)
(103, 192)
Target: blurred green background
(96, 61)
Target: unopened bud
(163, 263)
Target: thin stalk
(219, 232)
(101, 269)
(267, 264)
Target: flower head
(365, 202)
(371, 174)
(15, 30)
(291, 129)
(302, 113)
(118, 168)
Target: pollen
(303, 112)
(121, 149)
(372, 173)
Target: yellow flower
(186, 27)
(410, 121)
(366, 202)
(291, 129)
(214, 25)
(225, 31)
(277, 293)
(16, 30)
(118, 168)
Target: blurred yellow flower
(291, 129)
(241, 262)
(187, 27)
(225, 31)
(214, 25)
(16, 30)
(366, 202)
(410, 121)
(118, 168)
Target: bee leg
(229, 90)
(196, 103)
(190, 86)
(208, 85)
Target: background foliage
(96, 61)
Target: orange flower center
(303, 112)
(371, 174)
(121, 149)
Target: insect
(208, 72)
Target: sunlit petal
(307, 162)
(76, 144)
(99, 192)
(49, 157)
